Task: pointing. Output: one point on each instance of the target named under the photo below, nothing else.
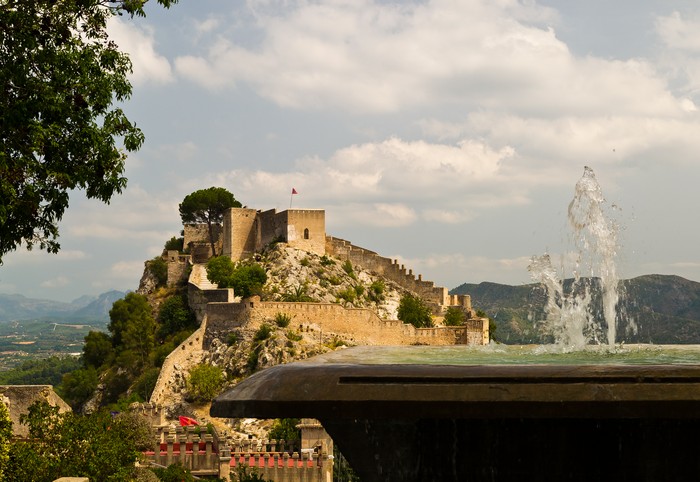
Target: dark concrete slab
(396, 419)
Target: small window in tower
(306, 233)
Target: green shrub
(298, 294)
(359, 289)
(304, 261)
(347, 295)
(283, 319)
(334, 280)
(175, 244)
(263, 333)
(159, 269)
(454, 317)
(233, 338)
(293, 335)
(347, 267)
(204, 382)
(376, 291)
(326, 261)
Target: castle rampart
(390, 269)
(358, 325)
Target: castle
(246, 231)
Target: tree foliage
(414, 311)
(174, 315)
(245, 279)
(285, 429)
(98, 446)
(97, 349)
(5, 437)
(454, 316)
(60, 78)
(132, 326)
(48, 371)
(207, 206)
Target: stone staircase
(198, 277)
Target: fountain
(415, 413)
(570, 315)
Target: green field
(37, 339)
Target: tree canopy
(60, 76)
(98, 446)
(207, 206)
(413, 310)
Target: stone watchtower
(246, 231)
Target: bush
(414, 311)
(233, 338)
(283, 319)
(246, 280)
(204, 382)
(454, 316)
(347, 267)
(326, 261)
(348, 295)
(376, 291)
(293, 335)
(305, 261)
(262, 334)
(175, 244)
(159, 269)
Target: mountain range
(665, 309)
(17, 307)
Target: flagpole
(291, 196)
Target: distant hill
(666, 309)
(18, 307)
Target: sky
(447, 134)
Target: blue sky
(447, 134)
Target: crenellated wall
(390, 269)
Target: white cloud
(59, 282)
(389, 183)
(139, 43)
(131, 270)
(678, 32)
(453, 269)
(369, 56)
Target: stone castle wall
(247, 230)
(240, 233)
(196, 239)
(357, 325)
(437, 296)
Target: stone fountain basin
(397, 415)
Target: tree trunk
(211, 238)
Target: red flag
(185, 421)
(294, 191)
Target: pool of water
(517, 355)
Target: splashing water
(571, 316)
